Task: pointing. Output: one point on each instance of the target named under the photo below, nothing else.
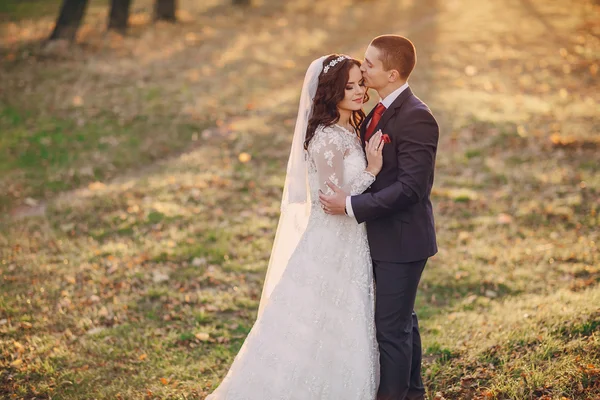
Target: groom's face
(372, 69)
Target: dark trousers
(398, 329)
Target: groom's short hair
(397, 52)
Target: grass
(48, 155)
(517, 359)
(29, 9)
(142, 277)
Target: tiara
(333, 62)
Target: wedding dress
(315, 335)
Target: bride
(314, 337)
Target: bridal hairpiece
(333, 62)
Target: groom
(397, 210)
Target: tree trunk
(241, 2)
(119, 15)
(69, 19)
(165, 10)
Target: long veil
(295, 202)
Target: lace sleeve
(328, 150)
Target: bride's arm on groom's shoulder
(329, 151)
(416, 148)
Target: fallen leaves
(30, 202)
(95, 330)
(244, 157)
(159, 277)
(504, 219)
(77, 101)
(202, 336)
(470, 70)
(574, 141)
(199, 261)
(19, 347)
(16, 363)
(97, 186)
(26, 325)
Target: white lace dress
(316, 336)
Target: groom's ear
(394, 75)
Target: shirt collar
(387, 102)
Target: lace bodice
(336, 154)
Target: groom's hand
(334, 204)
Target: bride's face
(354, 92)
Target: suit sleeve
(415, 148)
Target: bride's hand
(374, 152)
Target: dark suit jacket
(397, 206)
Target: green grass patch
(15, 10)
(45, 155)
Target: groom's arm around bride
(417, 136)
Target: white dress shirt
(387, 102)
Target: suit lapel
(389, 113)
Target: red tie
(379, 110)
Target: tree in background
(69, 19)
(164, 10)
(119, 15)
(72, 12)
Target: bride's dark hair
(330, 91)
